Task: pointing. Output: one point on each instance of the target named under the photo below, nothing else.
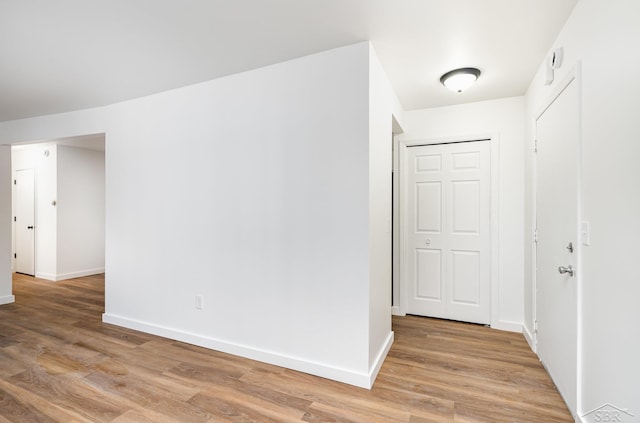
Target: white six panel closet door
(447, 231)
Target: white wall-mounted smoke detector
(554, 61)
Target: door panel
(557, 226)
(466, 277)
(429, 196)
(466, 207)
(24, 224)
(429, 163)
(447, 233)
(429, 274)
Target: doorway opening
(58, 200)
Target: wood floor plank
(228, 408)
(68, 392)
(60, 363)
(43, 406)
(147, 396)
(20, 410)
(133, 416)
(378, 403)
(287, 404)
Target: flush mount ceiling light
(459, 80)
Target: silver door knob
(568, 269)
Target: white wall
(46, 187)
(6, 295)
(603, 37)
(80, 212)
(382, 106)
(504, 117)
(252, 191)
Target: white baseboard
(79, 274)
(46, 276)
(70, 275)
(377, 364)
(395, 311)
(7, 299)
(529, 337)
(508, 326)
(351, 377)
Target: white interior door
(447, 231)
(25, 221)
(557, 225)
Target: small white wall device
(553, 62)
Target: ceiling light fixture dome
(459, 80)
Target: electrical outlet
(199, 302)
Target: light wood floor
(59, 363)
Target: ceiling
(64, 55)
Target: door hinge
(14, 218)
(535, 145)
(535, 235)
(15, 255)
(535, 326)
(15, 182)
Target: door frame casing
(400, 164)
(573, 75)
